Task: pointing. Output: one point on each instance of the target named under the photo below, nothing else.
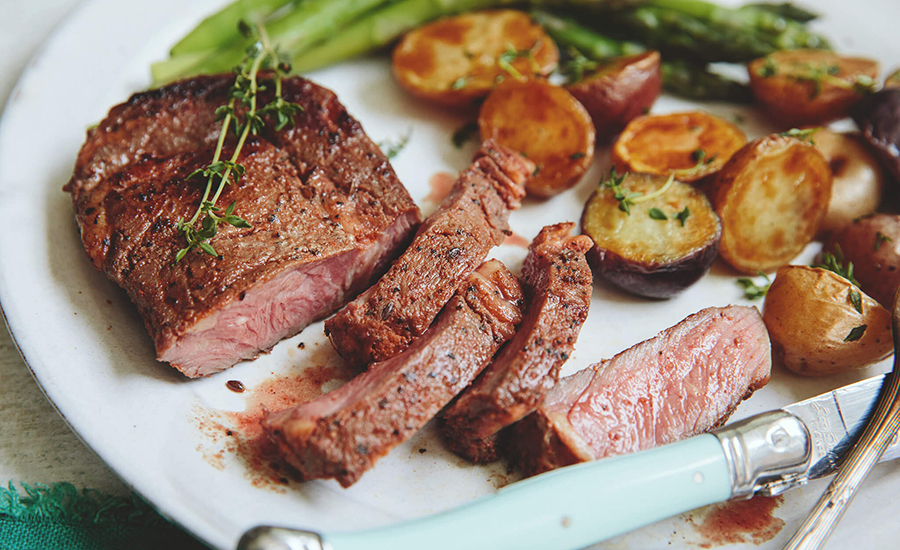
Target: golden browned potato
(820, 323)
(664, 243)
(892, 80)
(858, 178)
(809, 86)
(771, 196)
(547, 125)
(693, 145)
(457, 60)
(872, 245)
(619, 91)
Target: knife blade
(579, 505)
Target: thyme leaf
(856, 333)
(753, 291)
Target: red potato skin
(652, 280)
(876, 260)
(619, 92)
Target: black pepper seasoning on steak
(449, 245)
(327, 216)
(341, 434)
(557, 285)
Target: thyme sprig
(628, 199)
(259, 56)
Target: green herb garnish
(657, 214)
(258, 56)
(856, 333)
(880, 239)
(856, 301)
(805, 134)
(464, 133)
(392, 148)
(835, 262)
(752, 291)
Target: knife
(579, 505)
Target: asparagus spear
(708, 32)
(309, 22)
(382, 27)
(691, 80)
(694, 81)
(220, 28)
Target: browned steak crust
(557, 285)
(327, 214)
(341, 434)
(451, 243)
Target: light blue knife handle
(568, 508)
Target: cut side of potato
(547, 125)
(872, 245)
(820, 323)
(693, 145)
(457, 60)
(858, 178)
(619, 91)
(799, 87)
(772, 196)
(659, 248)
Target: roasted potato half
(772, 196)
(820, 323)
(693, 145)
(661, 246)
(547, 125)
(858, 178)
(872, 245)
(619, 91)
(809, 86)
(458, 60)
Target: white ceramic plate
(90, 353)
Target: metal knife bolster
(767, 454)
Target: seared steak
(557, 286)
(327, 214)
(686, 380)
(451, 243)
(341, 434)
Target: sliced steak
(685, 381)
(327, 216)
(449, 245)
(341, 434)
(557, 286)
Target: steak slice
(327, 215)
(557, 286)
(342, 433)
(684, 381)
(449, 245)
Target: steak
(342, 433)
(684, 381)
(557, 287)
(449, 245)
(327, 215)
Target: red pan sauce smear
(239, 433)
(744, 521)
(441, 183)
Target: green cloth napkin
(60, 517)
